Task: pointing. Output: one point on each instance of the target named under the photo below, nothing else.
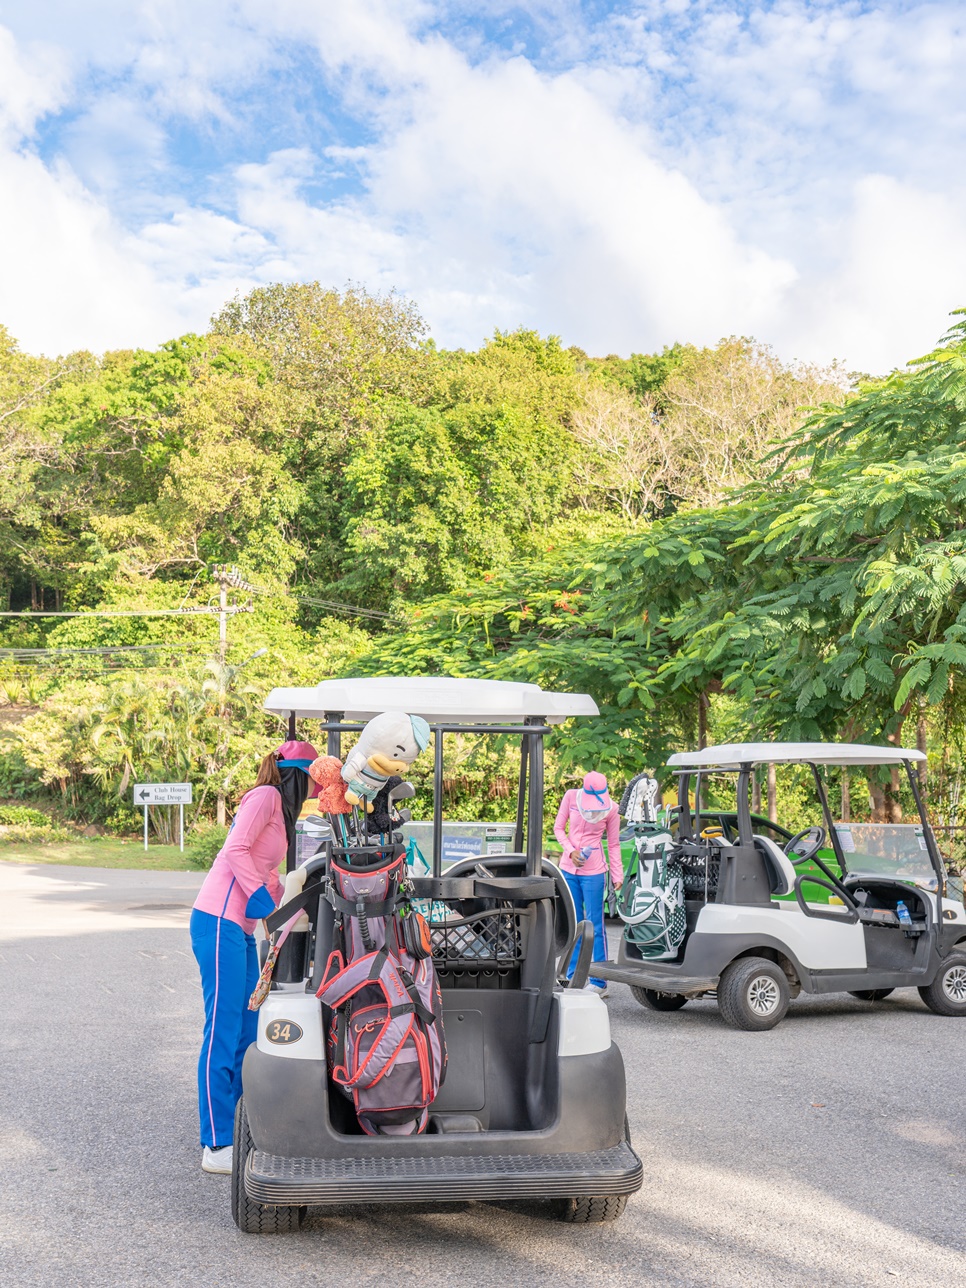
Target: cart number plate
(282, 1032)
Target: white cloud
(675, 172)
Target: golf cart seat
(781, 871)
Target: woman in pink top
(584, 816)
(242, 887)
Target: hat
(298, 755)
(593, 794)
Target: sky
(623, 175)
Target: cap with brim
(298, 755)
(593, 795)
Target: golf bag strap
(302, 900)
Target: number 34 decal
(282, 1032)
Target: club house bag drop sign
(147, 794)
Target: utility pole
(225, 577)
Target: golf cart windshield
(886, 849)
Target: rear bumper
(275, 1180)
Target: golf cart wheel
(251, 1217)
(870, 994)
(593, 1211)
(946, 995)
(658, 1001)
(753, 994)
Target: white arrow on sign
(162, 793)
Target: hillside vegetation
(712, 542)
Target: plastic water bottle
(902, 912)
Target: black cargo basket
(491, 938)
(700, 876)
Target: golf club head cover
(388, 745)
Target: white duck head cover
(387, 745)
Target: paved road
(829, 1152)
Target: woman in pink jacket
(242, 887)
(584, 816)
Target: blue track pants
(229, 972)
(588, 893)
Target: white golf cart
(533, 1102)
(858, 908)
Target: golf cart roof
(732, 754)
(438, 699)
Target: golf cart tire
(746, 988)
(251, 1217)
(593, 1210)
(945, 995)
(656, 1001)
(871, 994)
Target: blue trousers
(229, 966)
(588, 893)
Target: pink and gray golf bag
(386, 1045)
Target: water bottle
(902, 912)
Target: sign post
(147, 794)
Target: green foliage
(203, 846)
(17, 815)
(680, 534)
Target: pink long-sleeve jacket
(574, 832)
(249, 859)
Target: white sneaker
(217, 1160)
(601, 990)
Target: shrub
(31, 834)
(15, 815)
(204, 845)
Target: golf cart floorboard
(275, 1180)
(652, 976)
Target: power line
(334, 605)
(134, 612)
(26, 654)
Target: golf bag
(652, 901)
(386, 1047)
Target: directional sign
(162, 794)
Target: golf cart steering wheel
(805, 845)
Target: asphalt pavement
(829, 1152)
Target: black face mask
(294, 789)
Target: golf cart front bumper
(271, 1179)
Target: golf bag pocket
(386, 1043)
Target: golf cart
(858, 908)
(533, 1101)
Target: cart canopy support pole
(684, 806)
(745, 829)
(535, 803)
(292, 735)
(333, 739)
(437, 802)
(521, 795)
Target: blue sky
(624, 175)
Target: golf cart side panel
(816, 944)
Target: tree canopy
(709, 540)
